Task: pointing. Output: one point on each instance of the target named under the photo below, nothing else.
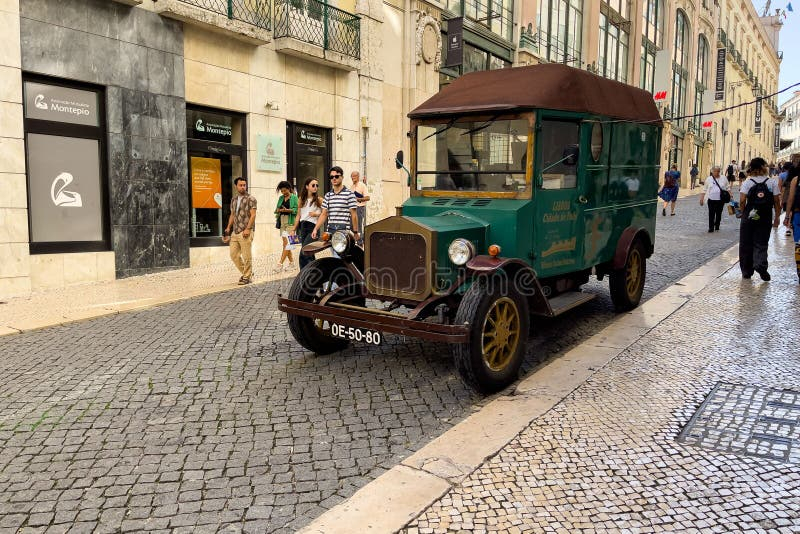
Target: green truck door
(560, 198)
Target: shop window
(217, 151)
(66, 169)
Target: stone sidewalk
(683, 415)
(88, 301)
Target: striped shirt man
(338, 207)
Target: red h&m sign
(707, 125)
(660, 95)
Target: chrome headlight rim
(342, 241)
(460, 251)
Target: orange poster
(206, 183)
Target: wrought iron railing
(315, 22)
(723, 37)
(255, 12)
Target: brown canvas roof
(550, 86)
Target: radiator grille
(397, 264)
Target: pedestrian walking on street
(759, 198)
(792, 219)
(338, 207)
(669, 191)
(784, 179)
(732, 171)
(717, 193)
(360, 191)
(285, 213)
(693, 174)
(310, 210)
(239, 232)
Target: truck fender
(628, 237)
(519, 275)
(354, 257)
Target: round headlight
(460, 251)
(340, 242)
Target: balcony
(245, 20)
(313, 30)
(722, 38)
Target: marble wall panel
(138, 56)
(170, 246)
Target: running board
(566, 301)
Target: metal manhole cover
(748, 420)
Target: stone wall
(138, 57)
(14, 264)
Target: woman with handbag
(718, 193)
(310, 210)
(285, 213)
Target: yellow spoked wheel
(501, 334)
(627, 283)
(633, 277)
(498, 321)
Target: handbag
(278, 222)
(724, 194)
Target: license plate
(353, 333)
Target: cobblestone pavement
(204, 415)
(611, 457)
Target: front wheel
(311, 284)
(627, 284)
(499, 324)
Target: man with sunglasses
(338, 207)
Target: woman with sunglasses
(310, 209)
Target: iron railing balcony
(317, 23)
(255, 12)
(722, 37)
(248, 20)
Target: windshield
(473, 155)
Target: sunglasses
(335, 176)
(314, 185)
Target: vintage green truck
(524, 183)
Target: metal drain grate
(748, 420)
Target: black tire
(627, 284)
(488, 372)
(309, 286)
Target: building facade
(124, 122)
(790, 129)
(671, 48)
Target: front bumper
(383, 322)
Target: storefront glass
(64, 145)
(216, 150)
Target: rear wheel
(499, 324)
(311, 284)
(627, 283)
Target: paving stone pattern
(607, 457)
(205, 415)
(742, 419)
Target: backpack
(669, 180)
(729, 172)
(760, 198)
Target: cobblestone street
(206, 415)
(636, 449)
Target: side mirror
(398, 159)
(570, 155)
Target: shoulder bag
(724, 194)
